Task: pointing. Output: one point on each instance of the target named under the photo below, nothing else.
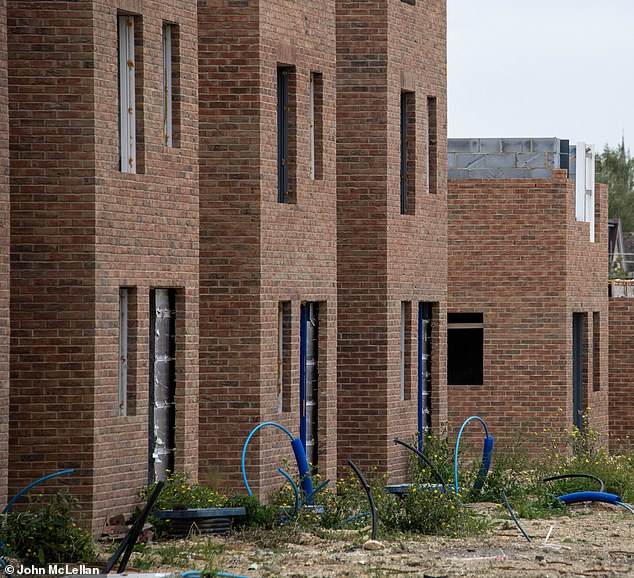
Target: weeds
(46, 532)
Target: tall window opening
(171, 85)
(130, 93)
(408, 152)
(285, 135)
(431, 147)
(405, 350)
(284, 356)
(316, 125)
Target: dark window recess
(596, 351)
(432, 145)
(285, 134)
(465, 349)
(408, 152)
(411, 2)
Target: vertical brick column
(4, 256)
(52, 139)
(385, 257)
(255, 251)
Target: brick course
(80, 230)
(256, 252)
(383, 257)
(517, 255)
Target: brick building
(391, 226)
(104, 245)
(268, 303)
(4, 256)
(621, 364)
(527, 307)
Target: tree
(615, 168)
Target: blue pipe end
(485, 465)
(303, 467)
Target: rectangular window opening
(316, 125)
(286, 135)
(596, 351)
(130, 65)
(431, 170)
(408, 152)
(284, 357)
(425, 348)
(465, 349)
(406, 350)
(171, 86)
(126, 398)
(162, 384)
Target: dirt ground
(592, 540)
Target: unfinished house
(4, 257)
(268, 304)
(621, 345)
(527, 308)
(391, 228)
(104, 246)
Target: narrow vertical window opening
(316, 125)
(284, 356)
(431, 171)
(285, 135)
(596, 351)
(122, 405)
(408, 152)
(130, 65)
(171, 85)
(405, 350)
(127, 95)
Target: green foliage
(46, 532)
(179, 493)
(615, 167)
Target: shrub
(46, 532)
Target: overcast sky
(542, 68)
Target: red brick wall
(517, 255)
(146, 237)
(384, 257)
(52, 140)
(4, 257)
(256, 252)
(621, 404)
(80, 230)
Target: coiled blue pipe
(300, 457)
(487, 452)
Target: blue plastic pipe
(576, 497)
(487, 452)
(31, 485)
(300, 456)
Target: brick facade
(518, 256)
(621, 364)
(384, 257)
(81, 229)
(4, 256)
(255, 251)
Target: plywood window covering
(168, 95)
(127, 96)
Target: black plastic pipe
(368, 491)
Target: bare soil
(591, 540)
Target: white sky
(542, 68)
